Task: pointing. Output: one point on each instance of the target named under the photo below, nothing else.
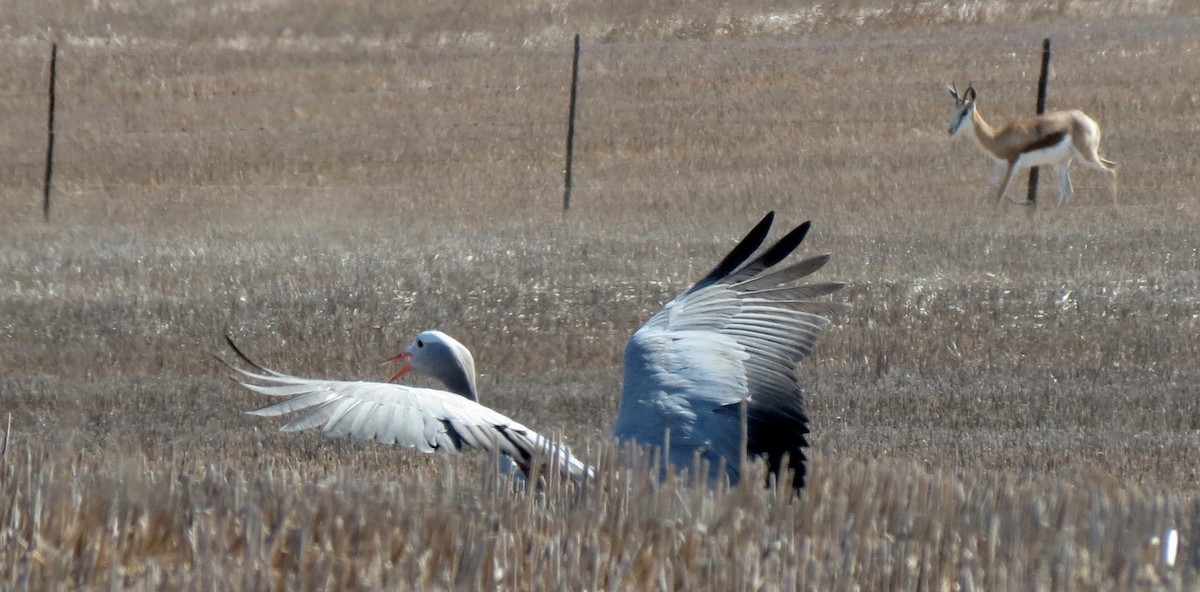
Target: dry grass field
(1012, 402)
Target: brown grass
(1011, 403)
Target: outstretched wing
(733, 338)
(429, 420)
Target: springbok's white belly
(1044, 156)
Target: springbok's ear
(953, 91)
(971, 93)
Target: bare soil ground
(1012, 402)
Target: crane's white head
(964, 109)
(439, 356)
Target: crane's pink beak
(400, 357)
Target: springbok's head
(964, 107)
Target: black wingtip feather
(241, 355)
(784, 246)
(740, 253)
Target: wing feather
(773, 255)
(303, 399)
(741, 252)
(799, 292)
(316, 418)
(429, 420)
(794, 272)
(735, 336)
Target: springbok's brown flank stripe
(1045, 142)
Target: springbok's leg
(994, 176)
(1065, 191)
(1092, 159)
(1009, 170)
(1113, 173)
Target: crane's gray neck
(457, 371)
(461, 380)
(442, 357)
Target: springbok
(1050, 139)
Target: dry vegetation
(1011, 403)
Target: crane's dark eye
(420, 343)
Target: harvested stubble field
(1010, 403)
